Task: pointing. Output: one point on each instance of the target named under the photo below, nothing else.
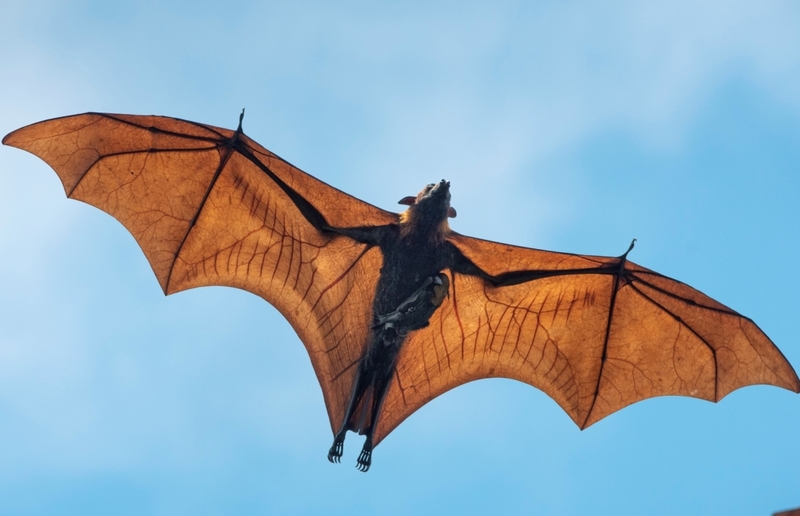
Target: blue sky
(562, 125)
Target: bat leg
(381, 387)
(359, 388)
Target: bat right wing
(596, 334)
(209, 206)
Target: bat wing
(596, 334)
(209, 206)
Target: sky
(561, 125)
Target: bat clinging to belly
(396, 309)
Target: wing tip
(13, 139)
(9, 139)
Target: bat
(396, 309)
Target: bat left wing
(595, 333)
(209, 206)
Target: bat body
(410, 289)
(396, 309)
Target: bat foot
(365, 458)
(335, 453)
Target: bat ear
(408, 201)
(451, 212)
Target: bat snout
(441, 187)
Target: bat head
(429, 210)
(434, 199)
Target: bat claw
(365, 458)
(335, 453)
(363, 465)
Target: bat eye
(430, 185)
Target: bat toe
(335, 453)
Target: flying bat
(396, 309)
